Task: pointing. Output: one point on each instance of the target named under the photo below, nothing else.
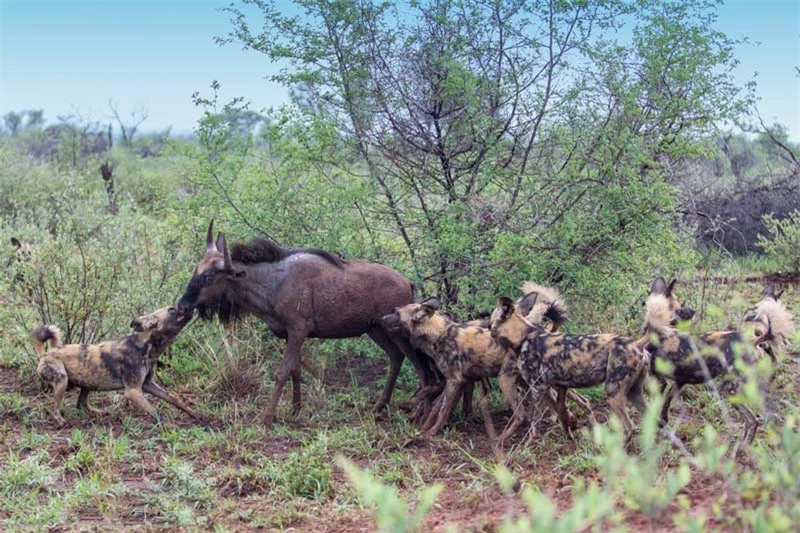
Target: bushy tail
(657, 319)
(41, 335)
(781, 323)
(548, 305)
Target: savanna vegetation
(471, 146)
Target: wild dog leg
(673, 392)
(467, 393)
(291, 359)
(135, 396)
(583, 403)
(448, 400)
(617, 404)
(83, 403)
(156, 390)
(59, 388)
(486, 413)
(512, 398)
(561, 409)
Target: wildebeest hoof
(380, 406)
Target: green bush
(783, 242)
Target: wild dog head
(678, 310)
(411, 318)
(508, 325)
(162, 326)
(768, 324)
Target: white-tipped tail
(548, 305)
(42, 334)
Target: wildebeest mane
(260, 250)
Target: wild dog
(463, 353)
(770, 324)
(127, 363)
(544, 359)
(692, 360)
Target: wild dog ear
(506, 306)
(422, 313)
(210, 245)
(15, 243)
(432, 302)
(769, 292)
(671, 287)
(659, 286)
(526, 304)
(140, 324)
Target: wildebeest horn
(227, 265)
(210, 246)
(219, 242)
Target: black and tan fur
(686, 359)
(463, 353)
(127, 363)
(769, 324)
(544, 359)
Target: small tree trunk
(106, 171)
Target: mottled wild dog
(463, 353)
(770, 324)
(127, 363)
(690, 360)
(563, 362)
(301, 293)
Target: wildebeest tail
(42, 334)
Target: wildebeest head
(507, 322)
(678, 309)
(407, 317)
(209, 290)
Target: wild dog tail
(548, 305)
(42, 334)
(657, 319)
(781, 321)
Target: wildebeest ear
(432, 302)
(15, 243)
(671, 287)
(526, 304)
(659, 286)
(210, 245)
(778, 295)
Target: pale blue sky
(62, 56)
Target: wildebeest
(127, 363)
(301, 293)
(690, 360)
(562, 362)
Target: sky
(74, 56)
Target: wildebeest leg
(83, 403)
(396, 357)
(156, 390)
(449, 397)
(290, 362)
